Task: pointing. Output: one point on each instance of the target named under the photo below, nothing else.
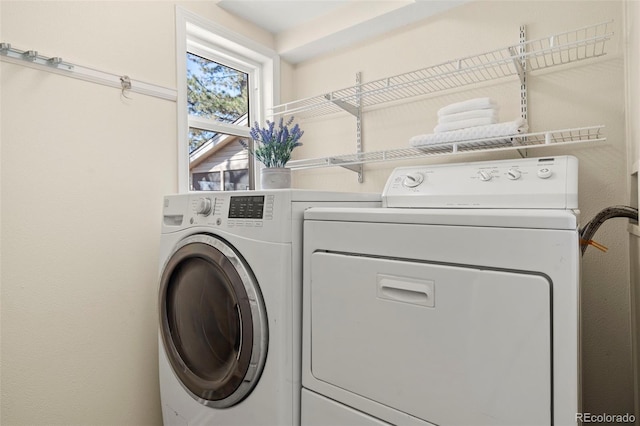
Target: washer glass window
(213, 321)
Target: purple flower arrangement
(273, 146)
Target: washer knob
(204, 206)
(413, 179)
(544, 173)
(514, 174)
(485, 175)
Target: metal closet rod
(55, 64)
(32, 56)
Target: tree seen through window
(215, 92)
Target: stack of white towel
(468, 120)
(471, 113)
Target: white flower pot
(275, 178)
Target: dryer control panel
(526, 183)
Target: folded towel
(466, 115)
(498, 130)
(463, 124)
(468, 105)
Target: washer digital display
(246, 207)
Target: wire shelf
(559, 49)
(523, 141)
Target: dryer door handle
(406, 290)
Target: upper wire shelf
(559, 49)
(523, 141)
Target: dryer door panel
(446, 344)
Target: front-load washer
(230, 304)
(456, 303)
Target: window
(216, 91)
(225, 84)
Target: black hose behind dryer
(588, 231)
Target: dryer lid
(500, 218)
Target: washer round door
(212, 321)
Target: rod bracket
(30, 55)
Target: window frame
(253, 71)
(206, 38)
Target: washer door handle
(238, 343)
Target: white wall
(591, 93)
(83, 172)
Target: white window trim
(228, 45)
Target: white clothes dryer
(230, 304)
(457, 303)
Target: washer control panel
(545, 182)
(240, 209)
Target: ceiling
(304, 29)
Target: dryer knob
(514, 174)
(204, 206)
(412, 180)
(485, 175)
(544, 173)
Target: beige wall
(83, 172)
(591, 93)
